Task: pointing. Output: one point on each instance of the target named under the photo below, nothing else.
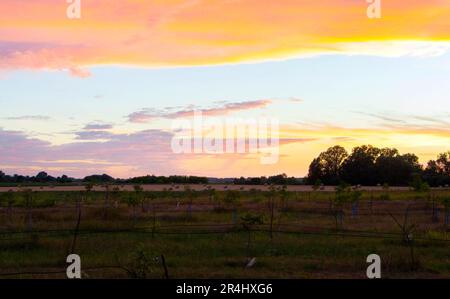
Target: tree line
(43, 178)
(366, 165)
(369, 166)
(281, 179)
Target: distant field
(214, 234)
(200, 187)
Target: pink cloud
(79, 72)
(152, 33)
(147, 115)
(35, 56)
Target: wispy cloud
(94, 135)
(439, 120)
(96, 126)
(394, 119)
(30, 117)
(382, 116)
(146, 115)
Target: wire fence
(210, 229)
(198, 229)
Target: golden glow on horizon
(296, 156)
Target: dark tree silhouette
(359, 167)
(327, 166)
(369, 166)
(437, 172)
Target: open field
(197, 187)
(291, 233)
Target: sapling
(355, 197)
(385, 194)
(190, 194)
(151, 202)
(248, 221)
(88, 187)
(9, 201)
(133, 201)
(434, 205)
(330, 204)
(211, 194)
(317, 185)
(28, 195)
(176, 196)
(84, 197)
(435, 209)
(106, 200)
(231, 199)
(283, 197)
(446, 203)
(342, 195)
(371, 202)
(3, 202)
(418, 185)
(407, 235)
(145, 203)
(139, 198)
(116, 196)
(152, 197)
(143, 263)
(271, 195)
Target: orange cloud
(38, 35)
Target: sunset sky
(99, 94)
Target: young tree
(446, 203)
(10, 203)
(116, 196)
(407, 233)
(248, 221)
(232, 200)
(132, 201)
(355, 197)
(29, 200)
(7, 200)
(211, 194)
(271, 196)
(284, 195)
(106, 203)
(190, 194)
(342, 195)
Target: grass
(207, 244)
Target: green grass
(307, 247)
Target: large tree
(368, 165)
(437, 172)
(359, 167)
(327, 166)
(395, 169)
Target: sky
(100, 94)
